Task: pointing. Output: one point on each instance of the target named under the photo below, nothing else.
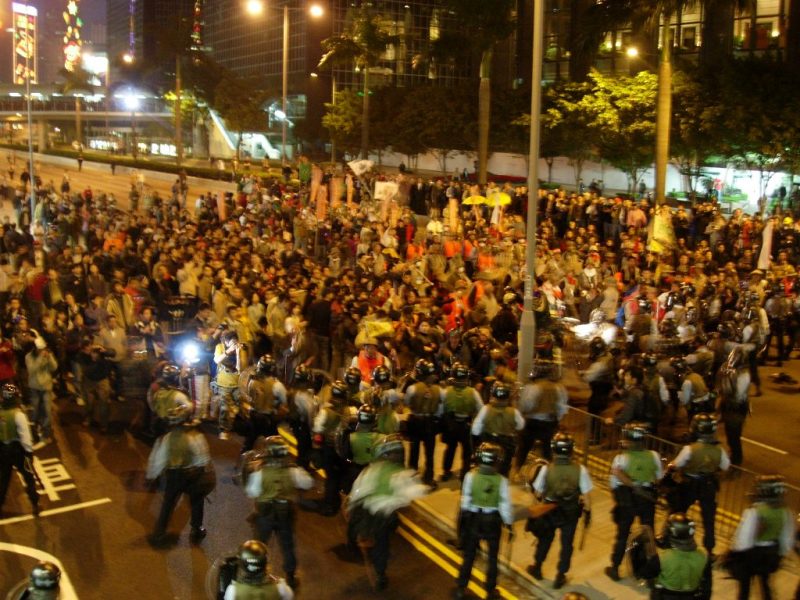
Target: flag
(766, 245)
(360, 167)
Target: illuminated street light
(632, 52)
(127, 58)
(254, 7)
(316, 11)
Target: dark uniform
(634, 474)
(485, 507)
(600, 377)
(424, 400)
(273, 488)
(685, 571)
(699, 464)
(326, 425)
(16, 450)
(564, 484)
(461, 404)
(733, 405)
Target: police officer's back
(253, 582)
(685, 571)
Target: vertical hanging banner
(24, 56)
(72, 35)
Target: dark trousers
(334, 471)
(734, 424)
(598, 402)
(458, 433)
(762, 561)
(177, 482)
(752, 360)
(277, 518)
(480, 527)
(568, 527)
(777, 331)
(422, 431)
(704, 491)
(302, 433)
(13, 456)
(257, 425)
(536, 431)
(629, 506)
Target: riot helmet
(424, 368)
(352, 376)
(597, 347)
(668, 328)
(339, 391)
(302, 374)
(460, 374)
(489, 455)
(680, 532)
(501, 392)
(171, 375)
(366, 415)
(635, 432)
(266, 365)
(381, 375)
(679, 365)
(704, 426)
(649, 360)
(644, 306)
(562, 444)
(769, 488)
(44, 576)
(276, 451)
(11, 395)
(252, 562)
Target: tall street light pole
(285, 79)
(527, 330)
(29, 46)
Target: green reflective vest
(387, 422)
(263, 591)
(425, 400)
(562, 481)
(460, 401)
(500, 420)
(704, 460)
(179, 454)
(681, 570)
(770, 523)
(8, 426)
(485, 489)
(386, 470)
(260, 391)
(361, 444)
(163, 401)
(276, 484)
(641, 467)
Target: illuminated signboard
(72, 36)
(24, 56)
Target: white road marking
(66, 590)
(755, 443)
(55, 511)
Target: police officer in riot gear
(733, 405)
(253, 581)
(384, 398)
(302, 410)
(461, 403)
(542, 403)
(694, 393)
(380, 490)
(357, 390)
(685, 571)
(273, 488)
(699, 464)
(326, 425)
(183, 455)
(267, 399)
(16, 446)
(424, 400)
(43, 583)
(485, 507)
(499, 422)
(600, 377)
(567, 485)
(764, 536)
(358, 450)
(165, 397)
(634, 473)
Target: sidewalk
(440, 509)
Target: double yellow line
(427, 545)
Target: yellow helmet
(788, 221)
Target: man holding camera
(227, 357)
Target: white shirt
(477, 424)
(300, 479)
(504, 508)
(23, 430)
(284, 590)
(746, 532)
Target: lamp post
(29, 46)
(255, 8)
(527, 329)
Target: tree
(362, 44)
(480, 26)
(623, 120)
(241, 105)
(343, 121)
(77, 80)
(443, 121)
(567, 125)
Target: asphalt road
(98, 482)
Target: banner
(386, 190)
(766, 245)
(662, 236)
(360, 167)
(24, 56)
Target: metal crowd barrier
(735, 485)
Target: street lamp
(256, 8)
(131, 102)
(632, 52)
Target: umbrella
(473, 200)
(498, 199)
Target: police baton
(509, 543)
(29, 466)
(587, 519)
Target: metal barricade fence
(596, 444)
